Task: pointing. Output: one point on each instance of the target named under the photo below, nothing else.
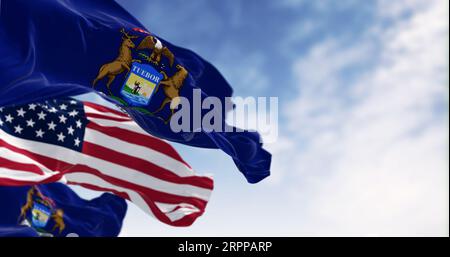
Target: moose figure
(171, 87)
(120, 64)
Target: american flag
(99, 148)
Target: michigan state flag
(53, 49)
(54, 210)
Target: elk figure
(171, 87)
(57, 217)
(120, 64)
(29, 203)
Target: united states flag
(100, 148)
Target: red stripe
(143, 166)
(13, 182)
(49, 163)
(105, 117)
(187, 220)
(149, 195)
(102, 108)
(103, 189)
(5, 163)
(145, 192)
(139, 139)
(131, 136)
(63, 167)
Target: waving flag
(17, 231)
(54, 210)
(99, 148)
(53, 49)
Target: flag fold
(99, 148)
(54, 210)
(55, 49)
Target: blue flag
(51, 49)
(17, 231)
(55, 210)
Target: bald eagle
(152, 43)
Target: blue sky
(363, 116)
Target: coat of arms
(145, 67)
(39, 210)
(40, 215)
(141, 83)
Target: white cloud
(244, 70)
(323, 5)
(366, 146)
(372, 152)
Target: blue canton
(59, 122)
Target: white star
(77, 142)
(41, 115)
(53, 110)
(18, 129)
(9, 118)
(79, 124)
(39, 133)
(70, 130)
(63, 107)
(51, 126)
(1, 109)
(30, 123)
(1, 122)
(73, 102)
(32, 107)
(62, 119)
(21, 112)
(73, 113)
(61, 137)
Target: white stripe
(94, 180)
(128, 125)
(21, 175)
(88, 109)
(108, 168)
(185, 209)
(18, 157)
(166, 209)
(141, 152)
(26, 176)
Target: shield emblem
(140, 84)
(40, 215)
